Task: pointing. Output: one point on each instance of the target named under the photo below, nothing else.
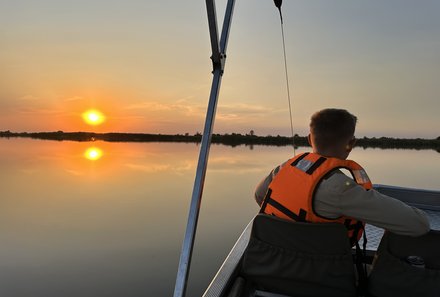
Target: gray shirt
(339, 195)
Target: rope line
(287, 82)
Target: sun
(93, 117)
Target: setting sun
(93, 117)
(93, 153)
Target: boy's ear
(351, 144)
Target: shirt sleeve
(340, 195)
(263, 185)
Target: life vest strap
(306, 165)
(301, 217)
(356, 227)
(299, 159)
(361, 176)
(360, 261)
(265, 201)
(316, 165)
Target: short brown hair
(332, 126)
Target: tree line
(233, 139)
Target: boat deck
(374, 234)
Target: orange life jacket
(291, 193)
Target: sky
(145, 65)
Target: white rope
(287, 82)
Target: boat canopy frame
(218, 58)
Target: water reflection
(72, 227)
(93, 153)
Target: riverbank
(233, 139)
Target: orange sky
(147, 67)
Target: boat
(233, 278)
(230, 282)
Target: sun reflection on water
(93, 153)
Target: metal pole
(218, 57)
(213, 31)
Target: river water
(107, 219)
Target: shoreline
(233, 139)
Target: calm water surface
(110, 221)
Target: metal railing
(218, 60)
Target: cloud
(28, 98)
(28, 104)
(148, 168)
(29, 171)
(228, 112)
(75, 98)
(241, 111)
(247, 108)
(74, 172)
(41, 111)
(180, 107)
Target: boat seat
(392, 273)
(299, 259)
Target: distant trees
(232, 139)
